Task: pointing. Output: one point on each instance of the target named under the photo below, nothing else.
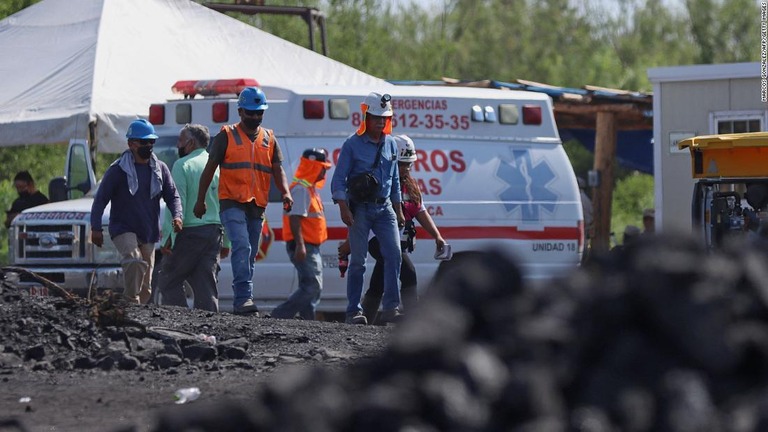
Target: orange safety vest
(313, 228)
(247, 167)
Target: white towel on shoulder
(126, 163)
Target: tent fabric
(66, 63)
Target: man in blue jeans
(371, 205)
(247, 156)
(304, 230)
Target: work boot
(389, 316)
(370, 306)
(249, 307)
(357, 318)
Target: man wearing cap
(248, 155)
(649, 221)
(304, 230)
(366, 186)
(134, 184)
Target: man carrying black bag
(366, 186)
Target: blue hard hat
(141, 129)
(252, 98)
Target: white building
(697, 100)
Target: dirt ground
(54, 376)
(663, 336)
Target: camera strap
(378, 154)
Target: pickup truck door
(79, 174)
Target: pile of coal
(66, 333)
(664, 336)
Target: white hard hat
(378, 104)
(406, 150)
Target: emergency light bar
(191, 88)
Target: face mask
(182, 152)
(145, 152)
(251, 123)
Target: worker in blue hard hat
(248, 156)
(134, 184)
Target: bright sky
(612, 6)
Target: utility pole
(311, 16)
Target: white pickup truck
(53, 240)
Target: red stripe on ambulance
(469, 232)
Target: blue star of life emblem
(527, 185)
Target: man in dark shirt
(29, 196)
(134, 185)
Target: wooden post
(602, 196)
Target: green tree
(632, 194)
(644, 35)
(10, 7)
(725, 31)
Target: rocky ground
(665, 336)
(71, 365)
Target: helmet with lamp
(378, 104)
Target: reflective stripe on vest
(313, 228)
(247, 167)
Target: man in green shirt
(193, 254)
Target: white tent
(65, 64)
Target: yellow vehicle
(730, 197)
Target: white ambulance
(491, 168)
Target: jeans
(382, 220)
(305, 299)
(408, 282)
(245, 234)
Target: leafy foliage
(9, 7)
(632, 194)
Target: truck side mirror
(83, 187)
(57, 189)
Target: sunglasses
(145, 142)
(251, 113)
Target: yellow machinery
(730, 197)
